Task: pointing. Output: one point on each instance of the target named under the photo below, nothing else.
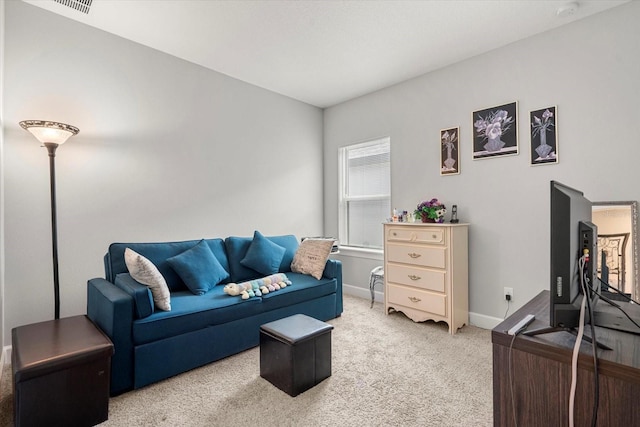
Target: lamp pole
(51, 135)
(51, 149)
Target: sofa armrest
(111, 309)
(333, 270)
(141, 294)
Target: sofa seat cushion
(237, 248)
(303, 288)
(191, 312)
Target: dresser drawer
(417, 299)
(416, 234)
(432, 280)
(425, 256)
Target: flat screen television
(572, 235)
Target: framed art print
(544, 136)
(449, 151)
(495, 131)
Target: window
(365, 193)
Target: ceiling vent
(80, 5)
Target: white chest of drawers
(426, 272)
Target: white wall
(167, 150)
(2, 25)
(589, 69)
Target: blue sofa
(151, 345)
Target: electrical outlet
(508, 291)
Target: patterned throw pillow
(146, 273)
(311, 257)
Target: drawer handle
(433, 236)
(414, 255)
(414, 299)
(414, 277)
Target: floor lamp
(52, 134)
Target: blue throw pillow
(263, 255)
(198, 268)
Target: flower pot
(427, 219)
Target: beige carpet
(387, 370)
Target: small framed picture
(544, 136)
(495, 131)
(450, 151)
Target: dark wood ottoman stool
(61, 371)
(295, 353)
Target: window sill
(352, 251)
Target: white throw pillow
(148, 274)
(311, 257)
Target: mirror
(617, 236)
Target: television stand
(538, 381)
(550, 329)
(610, 317)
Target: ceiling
(325, 52)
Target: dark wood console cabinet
(541, 374)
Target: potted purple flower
(430, 211)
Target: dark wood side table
(61, 371)
(541, 374)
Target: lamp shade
(49, 132)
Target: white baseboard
(483, 321)
(6, 355)
(475, 319)
(359, 292)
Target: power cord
(585, 304)
(510, 369)
(619, 308)
(513, 401)
(609, 287)
(508, 298)
(588, 291)
(574, 362)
